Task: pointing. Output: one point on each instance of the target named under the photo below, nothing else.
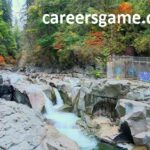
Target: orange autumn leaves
(92, 39)
(125, 8)
(2, 60)
(7, 60)
(59, 42)
(96, 39)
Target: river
(64, 122)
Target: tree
(82, 43)
(6, 8)
(7, 42)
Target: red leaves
(58, 46)
(94, 42)
(125, 8)
(95, 39)
(2, 60)
(97, 34)
(59, 43)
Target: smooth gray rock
(21, 128)
(8, 92)
(143, 139)
(136, 115)
(139, 93)
(101, 97)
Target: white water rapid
(66, 124)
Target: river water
(66, 124)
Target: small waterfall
(65, 123)
(59, 101)
(48, 105)
(50, 108)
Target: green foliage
(7, 41)
(142, 43)
(69, 45)
(6, 8)
(96, 73)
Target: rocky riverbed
(113, 111)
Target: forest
(67, 45)
(7, 38)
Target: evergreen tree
(7, 42)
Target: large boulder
(58, 141)
(69, 89)
(80, 102)
(17, 88)
(105, 130)
(143, 139)
(35, 93)
(111, 88)
(8, 92)
(137, 122)
(139, 93)
(37, 100)
(21, 97)
(23, 128)
(126, 106)
(68, 93)
(101, 97)
(136, 115)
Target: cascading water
(66, 123)
(59, 102)
(48, 105)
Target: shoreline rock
(23, 128)
(136, 115)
